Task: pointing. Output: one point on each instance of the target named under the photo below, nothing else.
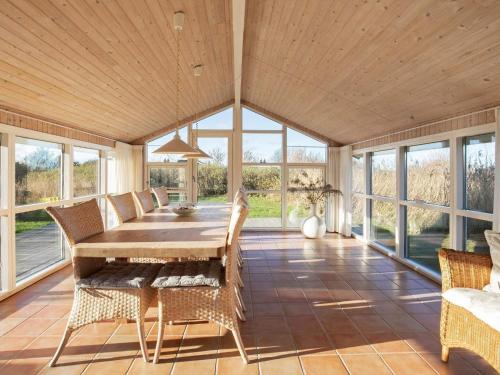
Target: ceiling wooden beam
(238, 31)
(290, 124)
(183, 122)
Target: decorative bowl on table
(184, 209)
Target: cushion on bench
(483, 305)
(493, 239)
(192, 273)
(121, 276)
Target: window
(427, 231)
(259, 177)
(213, 173)
(158, 142)
(474, 239)
(428, 173)
(262, 148)
(265, 210)
(38, 171)
(298, 205)
(426, 209)
(358, 174)
(358, 215)
(479, 164)
(40, 180)
(171, 177)
(255, 121)
(383, 164)
(219, 121)
(383, 223)
(304, 149)
(85, 171)
(38, 243)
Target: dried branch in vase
(314, 188)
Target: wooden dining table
(163, 234)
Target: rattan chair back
(124, 206)
(238, 216)
(161, 195)
(79, 222)
(145, 200)
(241, 197)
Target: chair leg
(142, 340)
(239, 344)
(445, 353)
(239, 299)
(62, 345)
(161, 331)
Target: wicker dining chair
(161, 195)
(103, 290)
(124, 206)
(202, 290)
(459, 328)
(240, 198)
(145, 201)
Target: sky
(263, 146)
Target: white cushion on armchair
(483, 305)
(493, 239)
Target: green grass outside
(23, 226)
(260, 206)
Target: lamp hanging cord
(196, 113)
(177, 82)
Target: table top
(163, 234)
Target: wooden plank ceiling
(352, 70)
(348, 70)
(108, 67)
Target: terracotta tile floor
(314, 307)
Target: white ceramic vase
(314, 225)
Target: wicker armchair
(161, 195)
(102, 290)
(145, 201)
(212, 298)
(460, 328)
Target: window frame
(9, 209)
(284, 165)
(456, 210)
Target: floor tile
(365, 364)
(408, 364)
(321, 365)
(314, 307)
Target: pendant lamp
(177, 145)
(200, 153)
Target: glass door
(213, 176)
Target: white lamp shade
(199, 155)
(176, 146)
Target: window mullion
(68, 172)
(284, 181)
(457, 192)
(400, 195)
(367, 191)
(8, 224)
(496, 202)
